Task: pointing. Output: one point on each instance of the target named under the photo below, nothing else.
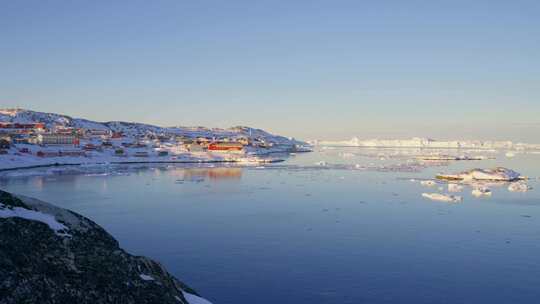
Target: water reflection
(201, 174)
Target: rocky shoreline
(53, 255)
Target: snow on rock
(146, 277)
(32, 248)
(455, 188)
(495, 174)
(442, 197)
(193, 299)
(50, 220)
(519, 187)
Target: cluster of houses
(38, 140)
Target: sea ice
(428, 183)
(519, 187)
(455, 188)
(496, 174)
(442, 197)
(481, 191)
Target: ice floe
(481, 191)
(455, 187)
(428, 183)
(519, 187)
(441, 197)
(495, 174)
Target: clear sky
(310, 69)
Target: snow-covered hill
(52, 120)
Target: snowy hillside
(52, 120)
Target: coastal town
(30, 138)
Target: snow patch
(146, 277)
(193, 299)
(59, 228)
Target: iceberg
(481, 191)
(455, 188)
(442, 197)
(519, 187)
(495, 174)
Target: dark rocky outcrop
(79, 264)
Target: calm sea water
(296, 232)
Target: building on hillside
(57, 139)
(116, 135)
(21, 126)
(234, 147)
(194, 147)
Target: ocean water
(343, 225)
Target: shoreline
(56, 164)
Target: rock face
(52, 255)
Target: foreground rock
(52, 255)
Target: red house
(226, 147)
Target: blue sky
(310, 69)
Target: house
(234, 147)
(28, 126)
(163, 153)
(97, 132)
(57, 139)
(117, 135)
(195, 148)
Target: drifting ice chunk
(496, 174)
(519, 187)
(427, 183)
(442, 197)
(481, 191)
(455, 188)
